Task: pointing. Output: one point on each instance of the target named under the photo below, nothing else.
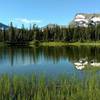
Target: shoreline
(55, 44)
(64, 88)
(66, 44)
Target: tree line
(55, 33)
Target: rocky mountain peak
(83, 20)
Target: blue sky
(43, 12)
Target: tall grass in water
(65, 88)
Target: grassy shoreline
(97, 43)
(38, 43)
(85, 44)
(65, 88)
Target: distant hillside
(2, 26)
(83, 20)
(54, 26)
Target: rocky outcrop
(84, 20)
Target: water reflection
(27, 55)
(49, 57)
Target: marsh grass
(63, 88)
(62, 43)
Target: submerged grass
(65, 88)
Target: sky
(43, 12)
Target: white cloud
(27, 21)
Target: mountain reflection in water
(55, 59)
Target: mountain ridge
(3, 26)
(85, 19)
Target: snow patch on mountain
(84, 20)
(96, 19)
(80, 17)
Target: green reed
(63, 88)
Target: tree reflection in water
(32, 55)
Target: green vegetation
(2, 44)
(48, 43)
(92, 68)
(53, 44)
(87, 43)
(32, 43)
(54, 34)
(64, 88)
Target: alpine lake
(49, 61)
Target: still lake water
(51, 61)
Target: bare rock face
(84, 20)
